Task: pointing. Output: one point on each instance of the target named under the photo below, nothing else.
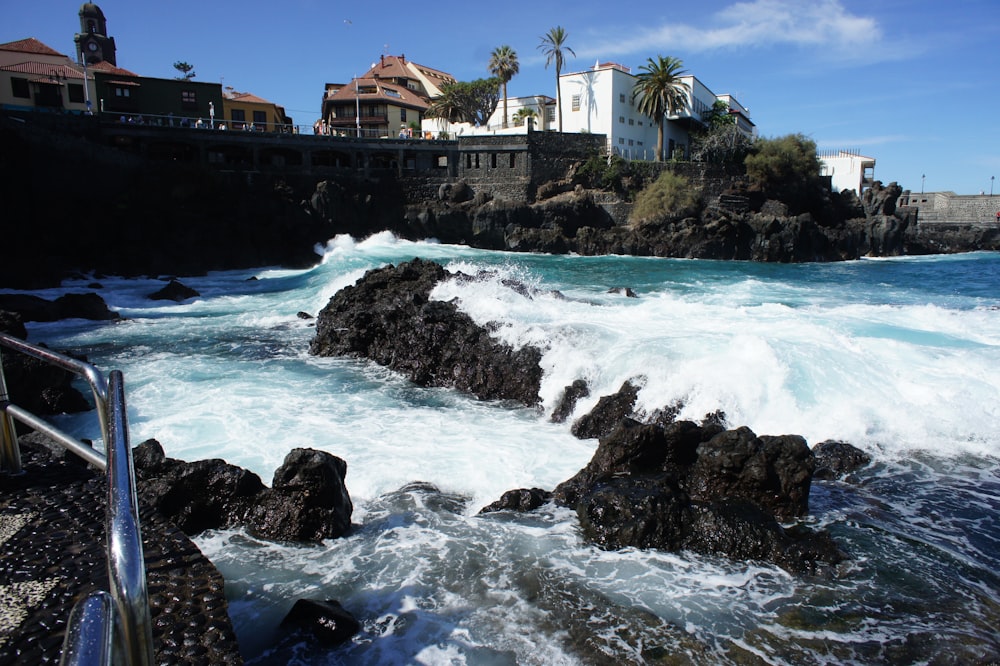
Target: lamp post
(357, 105)
(992, 178)
(922, 183)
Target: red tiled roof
(30, 45)
(246, 97)
(386, 92)
(44, 69)
(107, 67)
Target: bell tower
(92, 42)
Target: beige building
(34, 76)
(244, 110)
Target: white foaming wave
(888, 378)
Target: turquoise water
(899, 357)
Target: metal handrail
(133, 628)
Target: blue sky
(912, 83)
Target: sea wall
(951, 208)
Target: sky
(914, 84)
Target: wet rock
(388, 317)
(522, 499)
(174, 291)
(610, 409)
(308, 500)
(196, 496)
(12, 323)
(640, 511)
(39, 387)
(327, 620)
(835, 459)
(68, 306)
(774, 472)
(567, 403)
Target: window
(621, 119)
(631, 121)
(75, 91)
(550, 114)
(630, 142)
(20, 88)
(122, 92)
(621, 142)
(238, 116)
(402, 115)
(575, 103)
(260, 119)
(621, 98)
(189, 100)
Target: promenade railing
(104, 627)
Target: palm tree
(553, 45)
(523, 114)
(660, 91)
(504, 65)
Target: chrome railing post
(126, 567)
(10, 452)
(89, 639)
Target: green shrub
(669, 196)
(785, 168)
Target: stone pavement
(52, 554)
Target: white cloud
(821, 24)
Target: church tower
(92, 42)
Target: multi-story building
(244, 110)
(390, 99)
(599, 100)
(37, 77)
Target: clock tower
(92, 42)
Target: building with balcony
(390, 99)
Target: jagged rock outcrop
(174, 290)
(307, 502)
(388, 317)
(68, 306)
(835, 459)
(679, 485)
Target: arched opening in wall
(512, 160)
(172, 151)
(439, 162)
(331, 158)
(280, 157)
(409, 160)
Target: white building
(599, 100)
(848, 170)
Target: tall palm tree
(504, 65)
(553, 46)
(660, 91)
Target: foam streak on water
(899, 357)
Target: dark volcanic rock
(39, 387)
(308, 500)
(567, 403)
(67, 306)
(834, 459)
(326, 620)
(610, 409)
(389, 318)
(174, 291)
(774, 472)
(699, 487)
(522, 499)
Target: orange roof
(108, 68)
(44, 69)
(368, 89)
(30, 45)
(246, 97)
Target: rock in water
(327, 620)
(388, 317)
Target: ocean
(900, 357)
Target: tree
(785, 168)
(660, 91)
(722, 141)
(554, 47)
(186, 70)
(504, 66)
(523, 114)
(466, 101)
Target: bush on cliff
(785, 168)
(615, 174)
(669, 196)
